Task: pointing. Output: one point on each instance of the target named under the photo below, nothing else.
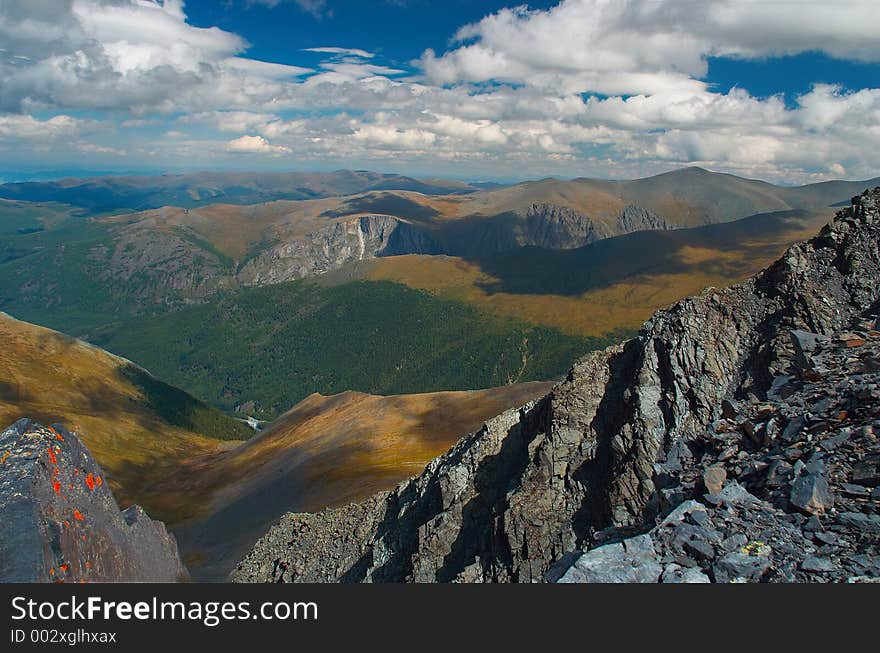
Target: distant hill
(133, 423)
(149, 261)
(138, 193)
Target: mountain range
(321, 337)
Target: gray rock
(681, 511)
(62, 524)
(860, 521)
(791, 433)
(811, 494)
(735, 494)
(816, 564)
(676, 574)
(866, 473)
(805, 343)
(749, 565)
(699, 550)
(630, 561)
(855, 490)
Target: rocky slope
(783, 489)
(61, 523)
(537, 486)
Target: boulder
(61, 522)
(629, 561)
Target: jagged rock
(866, 473)
(729, 409)
(811, 494)
(805, 344)
(860, 521)
(61, 523)
(635, 218)
(630, 561)
(535, 485)
(699, 550)
(683, 510)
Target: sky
(782, 90)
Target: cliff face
(559, 227)
(60, 522)
(333, 246)
(532, 489)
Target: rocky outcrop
(60, 521)
(558, 227)
(635, 218)
(333, 246)
(802, 503)
(536, 486)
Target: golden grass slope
(635, 291)
(326, 451)
(54, 378)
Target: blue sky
(785, 90)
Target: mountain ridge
(509, 502)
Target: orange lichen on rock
(56, 487)
(99, 481)
(90, 482)
(78, 515)
(52, 456)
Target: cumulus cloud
(139, 55)
(588, 87)
(646, 46)
(255, 145)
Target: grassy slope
(279, 344)
(326, 451)
(606, 287)
(134, 424)
(25, 217)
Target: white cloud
(255, 145)
(347, 52)
(646, 46)
(27, 128)
(514, 95)
(139, 55)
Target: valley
(368, 321)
